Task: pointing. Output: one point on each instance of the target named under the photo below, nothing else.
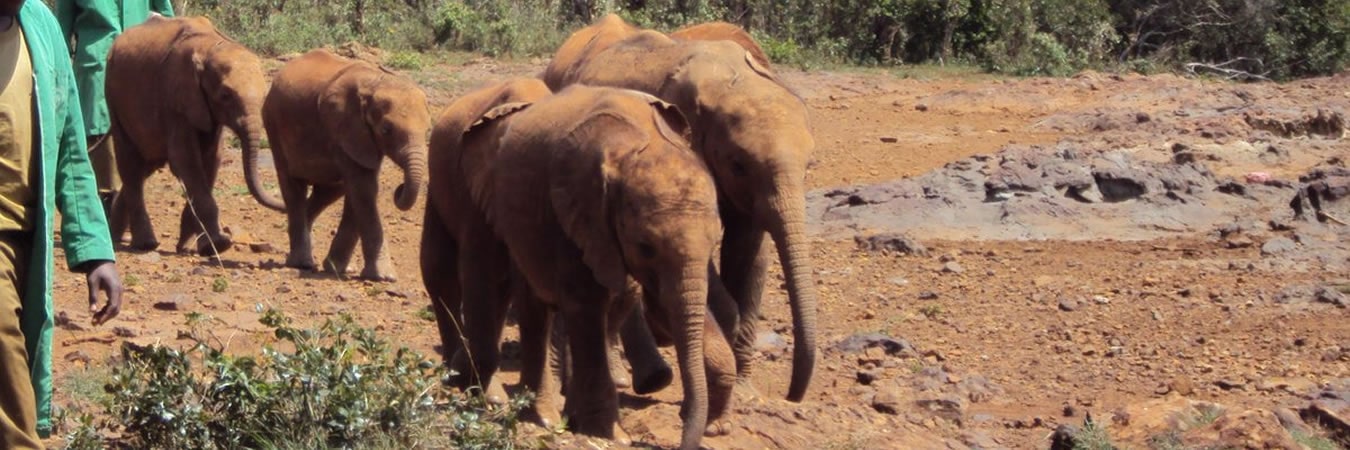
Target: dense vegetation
(1272, 38)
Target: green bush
(334, 386)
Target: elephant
(754, 134)
(722, 31)
(331, 120)
(590, 189)
(583, 44)
(173, 85)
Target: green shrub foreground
(1277, 39)
(335, 386)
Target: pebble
(953, 267)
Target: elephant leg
(344, 242)
(482, 265)
(592, 404)
(188, 164)
(361, 191)
(720, 365)
(129, 205)
(298, 225)
(651, 372)
(536, 319)
(744, 267)
(438, 259)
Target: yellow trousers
(18, 408)
(105, 164)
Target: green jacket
(67, 183)
(94, 24)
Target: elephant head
(755, 136)
(373, 113)
(232, 86)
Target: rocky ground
(997, 258)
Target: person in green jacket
(44, 167)
(90, 26)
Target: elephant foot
(653, 380)
(545, 412)
(143, 245)
(377, 274)
(496, 394)
(300, 262)
(338, 268)
(214, 245)
(617, 371)
(717, 428)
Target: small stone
(63, 321)
(396, 293)
(921, 107)
(891, 243)
(1068, 305)
(1278, 246)
(343, 298)
(124, 332)
(953, 267)
(149, 257)
(283, 289)
(78, 356)
(868, 376)
(890, 139)
(261, 247)
(1230, 385)
(1142, 117)
(1100, 299)
(198, 271)
(1327, 294)
(1070, 411)
(886, 402)
(1239, 241)
(173, 302)
(1183, 386)
(947, 406)
(928, 295)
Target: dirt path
(995, 341)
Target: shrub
(334, 386)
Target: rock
(978, 389)
(1133, 425)
(78, 356)
(1332, 413)
(63, 320)
(946, 406)
(261, 247)
(1230, 385)
(921, 107)
(1256, 428)
(979, 441)
(199, 271)
(1327, 294)
(283, 289)
(396, 293)
(770, 342)
(928, 295)
(1142, 117)
(886, 402)
(1295, 386)
(890, 139)
(1239, 241)
(1068, 305)
(888, 243)
(1065, 437)
(952, 267)
(1290, 420)
(151, 257)
(867, 376)
(124, 332)
(861, 342)
(1182, 386)
(1278, 246)
(173, 302)
(1101, 299)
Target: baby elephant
(588, 188)
(331, 120)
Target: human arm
(163, 7)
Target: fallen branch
(1226, 72)
(1328, 217)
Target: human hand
(102, 276)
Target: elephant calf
(589, 188)
(331, 120)
(173, 84)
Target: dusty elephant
(173, 85)
(722, 31)
(331, 120)
(754, 134)
(459, 255)
(589, 188)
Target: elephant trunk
(413, 161)
(787, 226)
(251, 140)
(685, 298)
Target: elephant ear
(498, 112)
(670, 120)
(583, 194)
(190, 89)
(344, 110)
(758, 67)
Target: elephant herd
(629, 189)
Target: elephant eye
(646, 250)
